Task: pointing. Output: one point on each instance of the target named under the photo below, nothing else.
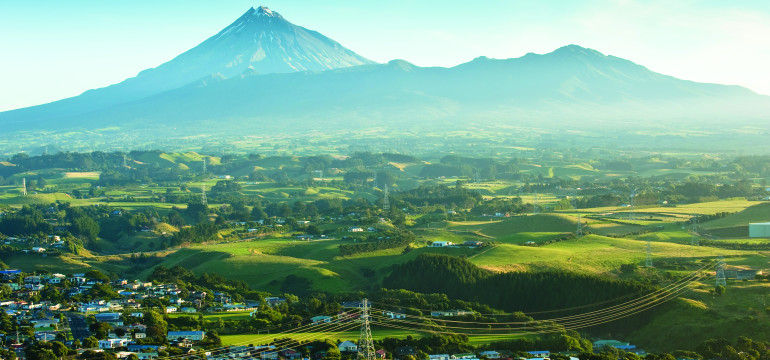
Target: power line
(678, 285)
(555, 327)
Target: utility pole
(365, 343)
(24, 186)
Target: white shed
(759, 230)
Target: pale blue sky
(52, 49)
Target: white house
(539, 354)
(441, 243)
(490, 354)
(394, 315)
(112, 343)
(348, 346)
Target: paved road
(78, 326)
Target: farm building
(759, 230)
(441, 243)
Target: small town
(89, 316)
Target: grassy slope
(738, 223)
(701, 315)
(532, 223)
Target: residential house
(448, 313)
(289, 354)
(45, 336)
(467, 356)
(438, 357)
(112, 343)
(540, 354)
(441, 243)
(347, 346)
(405, 350)
(490, 354)
(321, 319)
(139, 348)
(190, 335)
(394, 315)
(274, 301)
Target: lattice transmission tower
(721, 279)
(385, 200)
(648, 261)
(203, 195)
(695, 240)
(365, 343)
(579, 230)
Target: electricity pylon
(365, 343)
(721, 279)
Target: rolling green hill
(531, 223)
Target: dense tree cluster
(525, 291)
(378, 241)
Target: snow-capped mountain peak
(264, 11)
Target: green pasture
(740, 310)
(757, 212)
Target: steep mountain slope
(261, 41)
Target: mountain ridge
(572, 84)
(264, 71)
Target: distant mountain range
(264, 72)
